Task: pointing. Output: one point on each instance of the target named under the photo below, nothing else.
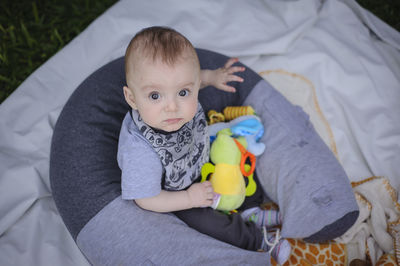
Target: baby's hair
(158, 43)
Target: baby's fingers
(227, 88)
(207, 184)
(235, 69)
(230, 62)
(208, 187)
(234, 78)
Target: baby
(164, 141)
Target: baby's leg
(261, 217)
(251, 211)
(231, 229)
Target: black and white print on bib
(182, 152)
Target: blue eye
(184, 92)
(154, 96)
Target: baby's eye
(184, 92)
(154, 96)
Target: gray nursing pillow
(85, 176)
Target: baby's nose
(171, 106)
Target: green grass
(32, 31)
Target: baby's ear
(129, 97)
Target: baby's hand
(221, 76)
(200, 194)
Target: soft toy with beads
(229, 155)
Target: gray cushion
(85, 177)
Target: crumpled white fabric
(356, 76)
(379, 211)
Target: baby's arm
(197, 195)
(219, 77)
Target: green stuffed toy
(228, 155)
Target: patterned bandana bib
(182, 152)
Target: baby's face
(165, 96)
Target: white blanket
(350, 56)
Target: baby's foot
(261, 218)
(278, 247)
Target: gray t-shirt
(152, 160)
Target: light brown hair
(158, 43)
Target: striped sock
(261, 218)
(278, 247)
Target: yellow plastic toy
(229, 113)
(227, 174)
(215, 117)
(232, 112)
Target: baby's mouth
(172, 120)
